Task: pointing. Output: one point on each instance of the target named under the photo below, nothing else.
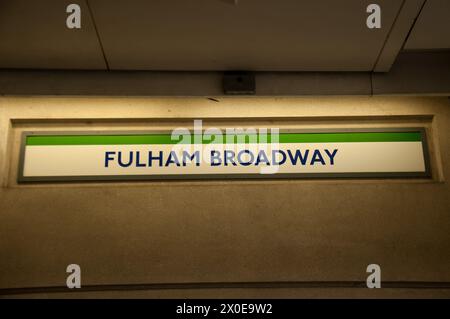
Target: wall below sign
(255, 238)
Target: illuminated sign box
(102, 156)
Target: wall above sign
(137, 155)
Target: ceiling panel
(432, 28)
(34, 35)
(324, 35)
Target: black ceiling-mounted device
(239, 83)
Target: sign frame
(131, 178)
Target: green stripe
(166, 138)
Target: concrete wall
(285, 238)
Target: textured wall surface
(247, 233)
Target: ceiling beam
(403, 24)
(413, 73)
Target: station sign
(136, 155)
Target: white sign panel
(136, 155)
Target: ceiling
(256, 35)
(432, 28)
